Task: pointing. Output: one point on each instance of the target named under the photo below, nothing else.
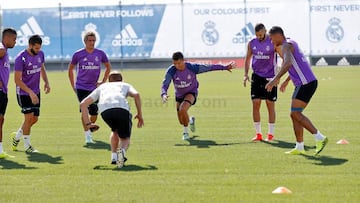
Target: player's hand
(230, 66)
(93, 127)
(246, 78)
(164, 98)
(34, 98)
(99, 83)
(284, 85)
(272, 83)
(47, 88)
(140, 121)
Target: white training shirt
(113, 95)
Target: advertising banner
(126, 31)
(223, 30)
(200, 30)
(335, 27)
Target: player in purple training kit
(29, 66)
(305, 83)
(262, 54)
(88, 62)
(183, 75)
(8, 42)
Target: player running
(183, 75)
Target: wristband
(88, 124)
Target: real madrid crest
(91, 28)
(189, 77)
(334, 33)
(210, 35)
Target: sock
(191, 121)
(123, 151)
(113, 156)
(87, 133)
(319, 136)
(186, 129)
(1, 148)
(271, 128)
(299, 145)
(19, 133)
(26, 141)
(257, 127)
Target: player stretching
(263, 61)
(305, 86)
(183, 75)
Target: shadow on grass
(44, 158)
(325, 160)
(9, 164)
(98, 145)
(203, 143)
(285, 145)
(127, 168)
(318, 160)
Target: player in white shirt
(115, 111)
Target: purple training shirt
(30, 66)
(263, 57)
(185, 81)
(4, 69)
(88, 68)
(300, 71)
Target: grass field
(219, 164)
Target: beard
(33, 51)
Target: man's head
(276, 35)
(35, 43)
(89, 40)
(115, 76)
(260, 31)
(178, 60)
(9, 37)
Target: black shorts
(3, 102)
(82, 94)
(27, 106)
(305, 92)
(119, 120)
(258, 90)
(181, 99)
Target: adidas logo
(127, 37)
(245, 35)
(31, 27)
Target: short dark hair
(115, 76)
(275, 30)
(259, 27)
(8, 31)
(177, 56)
(35, 39)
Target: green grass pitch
(219, 164)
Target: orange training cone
(343, 141)
(281, 190)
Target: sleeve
(74, 59)
(19, 63)
(132, 90)
(206, 68)
(95, 94)
(166, 82)
(104, 58)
